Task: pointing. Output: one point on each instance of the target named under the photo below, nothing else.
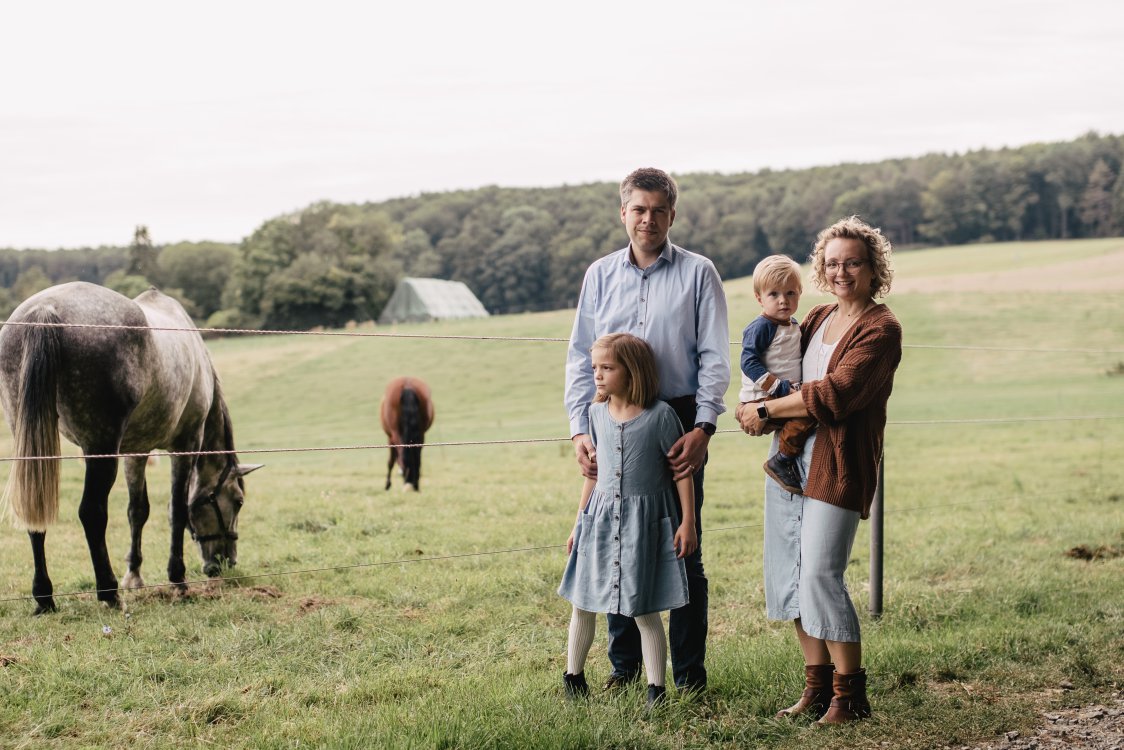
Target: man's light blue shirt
(677, 305)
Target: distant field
(1089, 265)
(435, 623)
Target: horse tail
(32, 492)
(410, 427)
(410, 417)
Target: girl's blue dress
(623, 560)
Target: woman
(851, 349)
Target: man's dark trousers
(688, 624)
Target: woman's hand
(686, 542)
(570, 543)
(751, 424)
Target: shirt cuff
(706, 414)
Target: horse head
(216, 495)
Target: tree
(30, 281)
(142, 256)
(199, 270)
(1096, 205)
(127, 284)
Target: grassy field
(987, 619)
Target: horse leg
(390, 466)
(41, 587)
(177, 517)
(93, 512)
(138, 516)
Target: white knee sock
(653, 645)
(582, 627)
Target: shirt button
(616, 539)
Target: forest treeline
(526, 249)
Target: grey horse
(127, 389)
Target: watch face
(762, 411)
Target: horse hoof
(45, 608)
(407, 487)
(132, 581)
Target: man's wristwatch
(706, 427)
(762, 412)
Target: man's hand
(587, 455)
(686, 456)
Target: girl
(635, 525)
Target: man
(674, 300)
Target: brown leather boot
(817, 692)
(849, 703)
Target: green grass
(985, 615)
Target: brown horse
(407, 412)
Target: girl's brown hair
(639, 362)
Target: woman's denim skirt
(807, 546)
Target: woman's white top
(818, 354)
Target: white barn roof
(431, 299)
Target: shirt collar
(665, 255)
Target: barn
(431, 299)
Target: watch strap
(706, 427)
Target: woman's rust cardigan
(850, 406)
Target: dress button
(616, 539)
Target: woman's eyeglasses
(852, 264)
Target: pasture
(358, 617)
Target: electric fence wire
(433, 558)
(366, 334)
(463, 337)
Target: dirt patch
(1103, 273)
(263, 592)
(6, 660)
(312, 603)
(1091, 727)
(1103, 552)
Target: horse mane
(221, 413)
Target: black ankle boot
(575, 684)
(657, 694)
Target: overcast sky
(204, 119)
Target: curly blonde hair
(878, 249)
